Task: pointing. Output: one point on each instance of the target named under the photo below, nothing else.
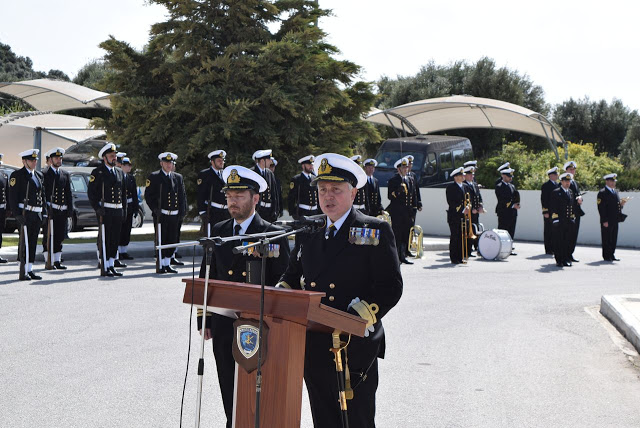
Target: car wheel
(138, 218)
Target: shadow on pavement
(551, 267)
(599, 263)
(540, 257)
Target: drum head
(489, 245)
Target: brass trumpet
(467, 228)
(384, 216)
(415, 247)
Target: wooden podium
(289, 314)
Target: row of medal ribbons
(364, 236)
(273, 250)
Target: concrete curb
(626, 320)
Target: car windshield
(92, 147)
(78, 183)
(386, 159)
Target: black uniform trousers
(574, 237)
(3, 220)
(562, 233)
(112, 225)
(222, 339)
(216, 215)
(321, 380)
(59, 230)
(401, 226)
(609, 237)
(549, 243)
(455, 241)
(125, 230)
(507, 221)
(473, 243)
(170, 227)
(33, 221)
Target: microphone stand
(208, 244)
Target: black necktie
(236, 230)
(331, 231)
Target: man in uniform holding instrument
(508, 204)
(456, 193)
(242, 190)
(303, 197)
(545, 199)
(563, 219)
(132, 208)
(106, 194)
(610, 210)
(353, 260)
(165, 195)
(4, 204)
(372, 188)
(399, 191)
(57, 185)
(476, 204)
(28, 205)
(570, 167)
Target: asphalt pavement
(513, 343)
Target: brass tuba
(415, 247)
(467, 228)
(384, 216)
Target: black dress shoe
(169, 269)
(559, 264)
(33, 275)
(106, 273)
(513, 253)
(125, 256)
(472, 255)
(574, 260)
(3, 260)
(615, 259)
(115, 272)
(456, 262)
(178, 256)
(118, 263)
(567, 264)
(24, 278)
(59, 265)
(406, 262)
(162, 270)
(176, 262)
(549, 253)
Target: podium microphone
(313, 221)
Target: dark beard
(112, 163)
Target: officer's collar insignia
(325, 168)
(234, 178)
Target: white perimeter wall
(433, 217)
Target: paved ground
(517, 343)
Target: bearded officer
(107, 195)
(570, 167)
(545, 200)
(508, 203)
(28, 204)
(164, 195)
(132, 207)
(563, 219)
(354, 261)
(268, 207)
(372, 188)
(456, 193)
(4, 198)
(610, 210)
(57, 190)
(399, 191)
(303, 197)
(505, 165)
(212, 205)
(242, 190)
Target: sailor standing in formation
(268, 207)
(303, 197)
(361, 202)
(242, 190)
(132, 207)
(165, 196)
(28, 204)
(400, 192)
(563, 218)
(57, 191)
(476, 203)
(272, 167)
(354, 261)
(545, 200)
(456, 193)
(610, 210)
(106, 194)
(4, 201)
(570, 167)
(508, 203)
(212, 206)
(416, 203)
(372, 188)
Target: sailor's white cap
(261, 154)
(471, 163)
(56, 151)
(370, 162)
(402, 161)
(469, 169)
(507, 171)
(108, 148)
(553, 170)
(335, 167)
(238, 177)
(457, 171)
(612, 176)
(30, 154)
(569, 165)
(566, 176)
(503, 166)
(168, 157)
(217, 154)
(306, 159)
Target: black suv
(84, 154)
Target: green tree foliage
(602, 123)
(91, 74)
(480, 79)
(531, 166)
(214, 76)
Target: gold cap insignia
(168, 157)
(12, 182)
(233, 178)
(34, 154)
(325, 168)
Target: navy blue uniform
(610, 211)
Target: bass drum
(495, 244)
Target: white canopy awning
(17, 132)
(56, 95)
(461, 111)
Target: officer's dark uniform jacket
(36, 200)
(345, 271)
(609, 206)
(417, 203)
(455, 214)
(58, 191)
(131, 189)
(374, 199)
(210, 196)
(575, 188)
(400, 193)
(268, 206)
(303, 197)
(113, 186)
(4, 201)
(166, 192)
(545, 195)
(562, 207)
(507, 197)
(360, 202)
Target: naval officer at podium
(354, 261)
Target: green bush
(531, 167)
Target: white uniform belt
(110, 205)
(3, 206)
(265, 204)
(167, 212)
(217, 205)
(359, 207)
(57, 207)
(308, 207)
(129, 200)
(31, 208)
